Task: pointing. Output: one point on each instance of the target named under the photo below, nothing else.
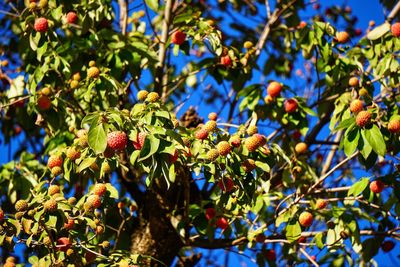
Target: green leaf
(86, 163)
(371, 247)
(358, 187)
(150, 147)
(172, 174)
(379, 31)
(293, 231)
(264, 166)
(375, 139)
(152, 4)
(113, 191)
(97, 138)
(351, 138)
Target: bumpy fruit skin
(93, 72)
(178, 37)
(142, 95)
(270, 255)
(53, 189)
(252, 130)
(73, 153)
(63, 244)
(201, 134)
(356, 106)
(248, 165)
(72, 200)
(395, 29)
(226, 184)
(363, 118)
(394, 125)
(301, 148)
(213, 116)
(321, 204)
(99, 189)
(72, 17)
(1, 215)
(69, 225)
(290, 105)
(274, 89)
(210, 213)
(248, 44)
(50, 205)
(117, 140)
(212, 154)
(387, 245)
(235, 141)
(210, 126)
(54, 161)
(222, 223)
(55, 171)
(21, 205)
(353, 81)
(141, 137)
(94, 201)
(305, 219)
(226, 61)
(252, 143)
(342, 37)
(44, 102)
(41, 25)
(153, 97)
(261, 139)
(376, 186)
(224, 148)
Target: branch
(394, 12)
(123, 15)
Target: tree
(115, 168)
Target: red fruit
(54, 161)
(138, 145)
(210, 213)
(178, 37)
(305, 219)
(387, 246)
(316, 6)
(396, 29)
(235, 141)
(260, 238)
(313, 258)
(41, 25)
(358, 32)
(99, 189)
(90, 257)
(302, 239)
(226, 61)
(69, 225)
(94, 201)
(63, 244)
(290, 105)
(394, 125)
(72, 17)
(321, 204)
(274, 89)
(270, 255)
(297, 135)
(376, 186)
(356, 106)
(260, 139)
(226, 184)
(342, 37)
(201, 134)
(363, 118)
(173, 158)
(117, 140)
(222, 223)
(1, 215)
(212, 116)
(44, 102)
(302, 24)
(252, 143)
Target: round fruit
(396, 29)
(21, 205)
(226, 184)
(224, 148)
(248, 45)
(72, 200)
(54, 161)
(142, 95)
(222, 223)
(99, 189)
(305, 219)
(252, 130)
(41, 25)
(63, 244)
(153, 97)
(302, 24)
(387, 245)
(296, 134)
(73, 153)
(1, 215)
(178, 37)
(50, 205)
(93, 72)
(92, 63)
(201, 134)
(99, 229)
(45, 91)
(76, 77)
(260, 238)
(270, 255)
(290, 105)
(235, 141)
(141, 137)
(53, 189)
(353, 81)
(210, 126)
(69, 225)
(226, 61)
(248, 165)
(261, 139)
(105, 244)
(342, 37)
(55, 171)
(117, 140)
(212, 154)
(210, 213)
(274, 89)
(301, 148)
(394, 125)
(376, 186)
(356, 106)
(363, 118)
(251, 143)
(212, 116)
(44, 102)
(72, 17)
(94, 201)
(321, 204)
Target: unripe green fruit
(50, 205)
